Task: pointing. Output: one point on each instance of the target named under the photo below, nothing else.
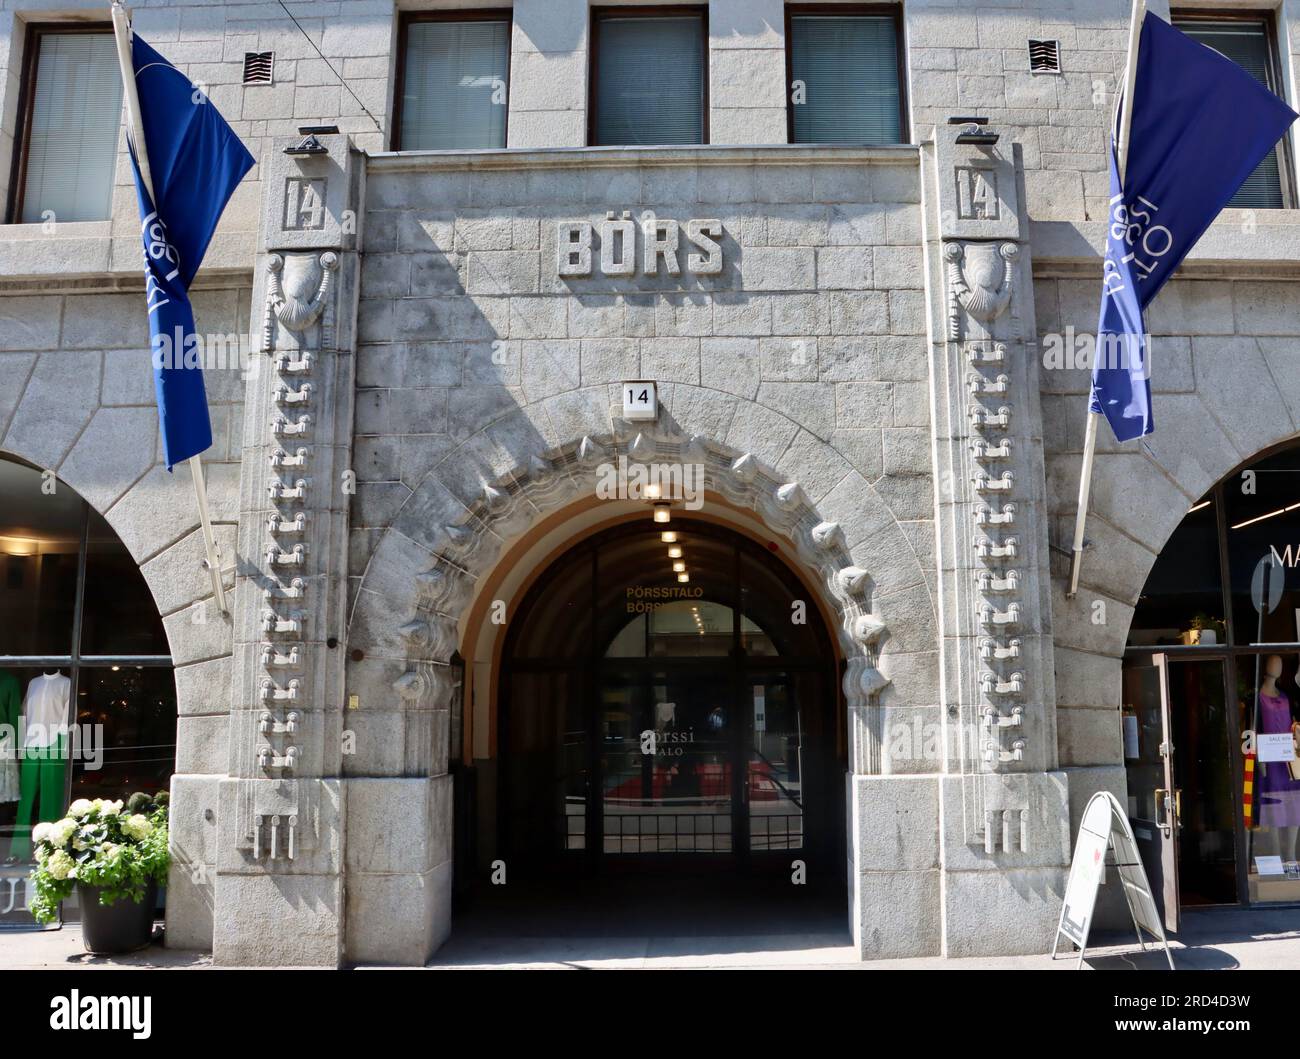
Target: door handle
(1164, 807)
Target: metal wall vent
(1045, 56)
(258, 66)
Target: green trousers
(42, 772)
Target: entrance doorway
(1177, 746)
(668, 707)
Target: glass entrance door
(652, 715)
(667, 762)
(776, 780)
(1148, 756)
(1177, 748)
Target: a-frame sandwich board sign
(1105, 827)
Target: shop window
(87, 694)
(1247, 39)
(1268, 698)
(1262, 529)
(453, 81)
(1211, 691)
(845, 79)
(649, 78)
(71, 109)
(1182, 600)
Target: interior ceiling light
(12, 545)
(1197, 507)
(663, 512)
(675, 552)
(1261, 518)
(668, 537)
(683, 578)
(679, 567)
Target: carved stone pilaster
(997, 680)
(281, 807)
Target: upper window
(453, 81)
(649, 76)
(72, 109)
(1248, 41)
(845, 85)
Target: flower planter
(123, 926)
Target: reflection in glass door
(647, 718)
(1177, 748)
(1151, 799)
(666, 762)
(1203, 777)
(545, 798)
(774, 781)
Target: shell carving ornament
(980, 278)
(296, 297)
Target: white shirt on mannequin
(45, 708)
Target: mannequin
(1279, 794)
(11, 704)
(43, 768)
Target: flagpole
(1090, 434)
(135, 133)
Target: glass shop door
(1178, 739)
(1149, 762)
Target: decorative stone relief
(991, 542)
(299, 289)
(426, 623)
(292, 526)
(980, 277)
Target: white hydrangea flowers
(61, 865)
(137, 826)
(83, 806)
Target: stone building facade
(848, 339)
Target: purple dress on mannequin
(1279, 794)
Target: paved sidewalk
(1219, 939)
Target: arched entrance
(1211, 703)
(426, 637)
(668, 705)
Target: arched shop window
(87, 694)
(1212, 673)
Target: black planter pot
(123, 926)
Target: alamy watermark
(211, 352)
(75, 742)
(632, 480)
(1070, 349)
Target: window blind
(454, 86)
(650, 81)
(844, 79)
(1247, 44)
(75, 119)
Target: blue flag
(1201, 124)
(196, 161)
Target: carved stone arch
(421, 577)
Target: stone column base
(894, 893)
(399, 864)
(919, 887)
